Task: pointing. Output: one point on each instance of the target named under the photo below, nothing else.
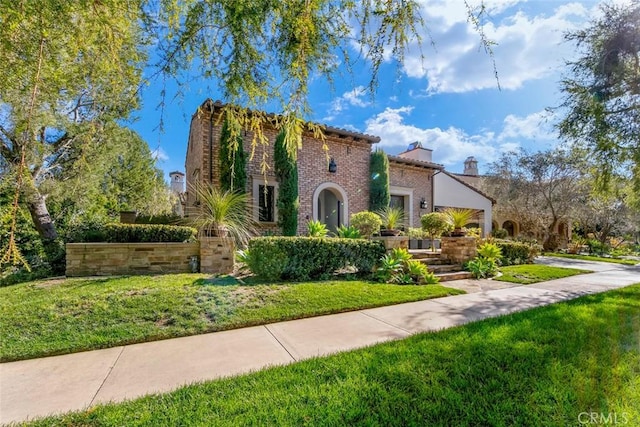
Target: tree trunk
(551, 242)
(53, 247)
(40, 215)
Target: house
(332, 185)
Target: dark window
(397, 202)
(266, 205)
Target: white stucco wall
(449, 192)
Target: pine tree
(286, 170)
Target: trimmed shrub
(379, 196)
(166, 219)
(305, 258)
(131, 233)
(514, 253)
(286, 170)
(366, 222)
(499, 233)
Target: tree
(434, 223)
(286, 169)
(602, 92)
(263, 50)
(117, 173)
(538, 190)
(233, 160)
(379, 196)
(607, 214)
(68, 69)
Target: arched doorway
(330, 205)
(510, 226)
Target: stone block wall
(458, 250)
(217, 255)
(107, 259)
(393, 242)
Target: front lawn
(544, 367)
(534, 273)
(45, 318)
(593, 258)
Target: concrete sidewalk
(53, 385)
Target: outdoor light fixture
(332, 166)
(423, 204)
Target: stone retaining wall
(216, 255)
(458, 250)
(106, 259)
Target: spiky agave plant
(224, 214)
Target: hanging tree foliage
(602, 92)
(266, 51)
(233, 161)
(286, 169)
(68, 68)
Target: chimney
(470, 166)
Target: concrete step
(443, 268)
(424, 254)
(456, 275)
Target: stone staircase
(441, 267)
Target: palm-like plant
(317, 229)
(459, 217)
(224, 214)
(391, 217)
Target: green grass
(533, 273)
(64, 316)
(593, 258)
(542, 367)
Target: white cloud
(354, 97)
(452, 145)
(159, 155)
(535, 126)
(528, 47)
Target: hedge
(308, 258)
(131, 233)
(514, 253)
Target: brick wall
(351, 156)
(418, 179)
(106, 259)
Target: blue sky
(450, 102)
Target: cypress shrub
(379, 181)
(233, 173)
(286, 169)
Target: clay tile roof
(344, 133)
(412, 162)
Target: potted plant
(416, 236)
(391, 217)
(223, 214)
(434, 224)
(458, 218)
